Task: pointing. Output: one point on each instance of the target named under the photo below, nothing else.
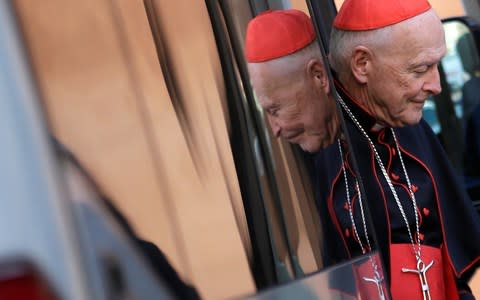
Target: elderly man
(385, 55)
(289, 79)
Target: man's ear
(317, 72)
(360, 63)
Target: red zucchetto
(276, 33)
(374, 14)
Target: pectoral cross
(377, 280)
(421, 271)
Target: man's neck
(359, 94)
(361, 111)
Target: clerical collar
(363, 116)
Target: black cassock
(446, 213)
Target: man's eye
(421, 70)
(273, 112)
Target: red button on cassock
(426, 211)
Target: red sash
(440, 276)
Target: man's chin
(412, 120)
(403, 121)
(318, 145)
(311, 148)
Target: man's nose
(432, 85)
(276, 129)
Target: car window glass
(462, 71)
(285, 170)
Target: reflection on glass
(461, 64)
(353, 280)
(294, 115)
(430, 115)
(462, 70)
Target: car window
(454, 117)
(160, 113)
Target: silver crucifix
(377, 280)
(422, 275)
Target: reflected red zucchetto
(374, 14)
(277, 33)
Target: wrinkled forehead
(267, 102)
(268, 93)
(267, 80)
(271, 93)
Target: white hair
(343, 42)
(292, 64)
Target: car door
(154, 100)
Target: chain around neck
(349, 205)
(416, 247)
